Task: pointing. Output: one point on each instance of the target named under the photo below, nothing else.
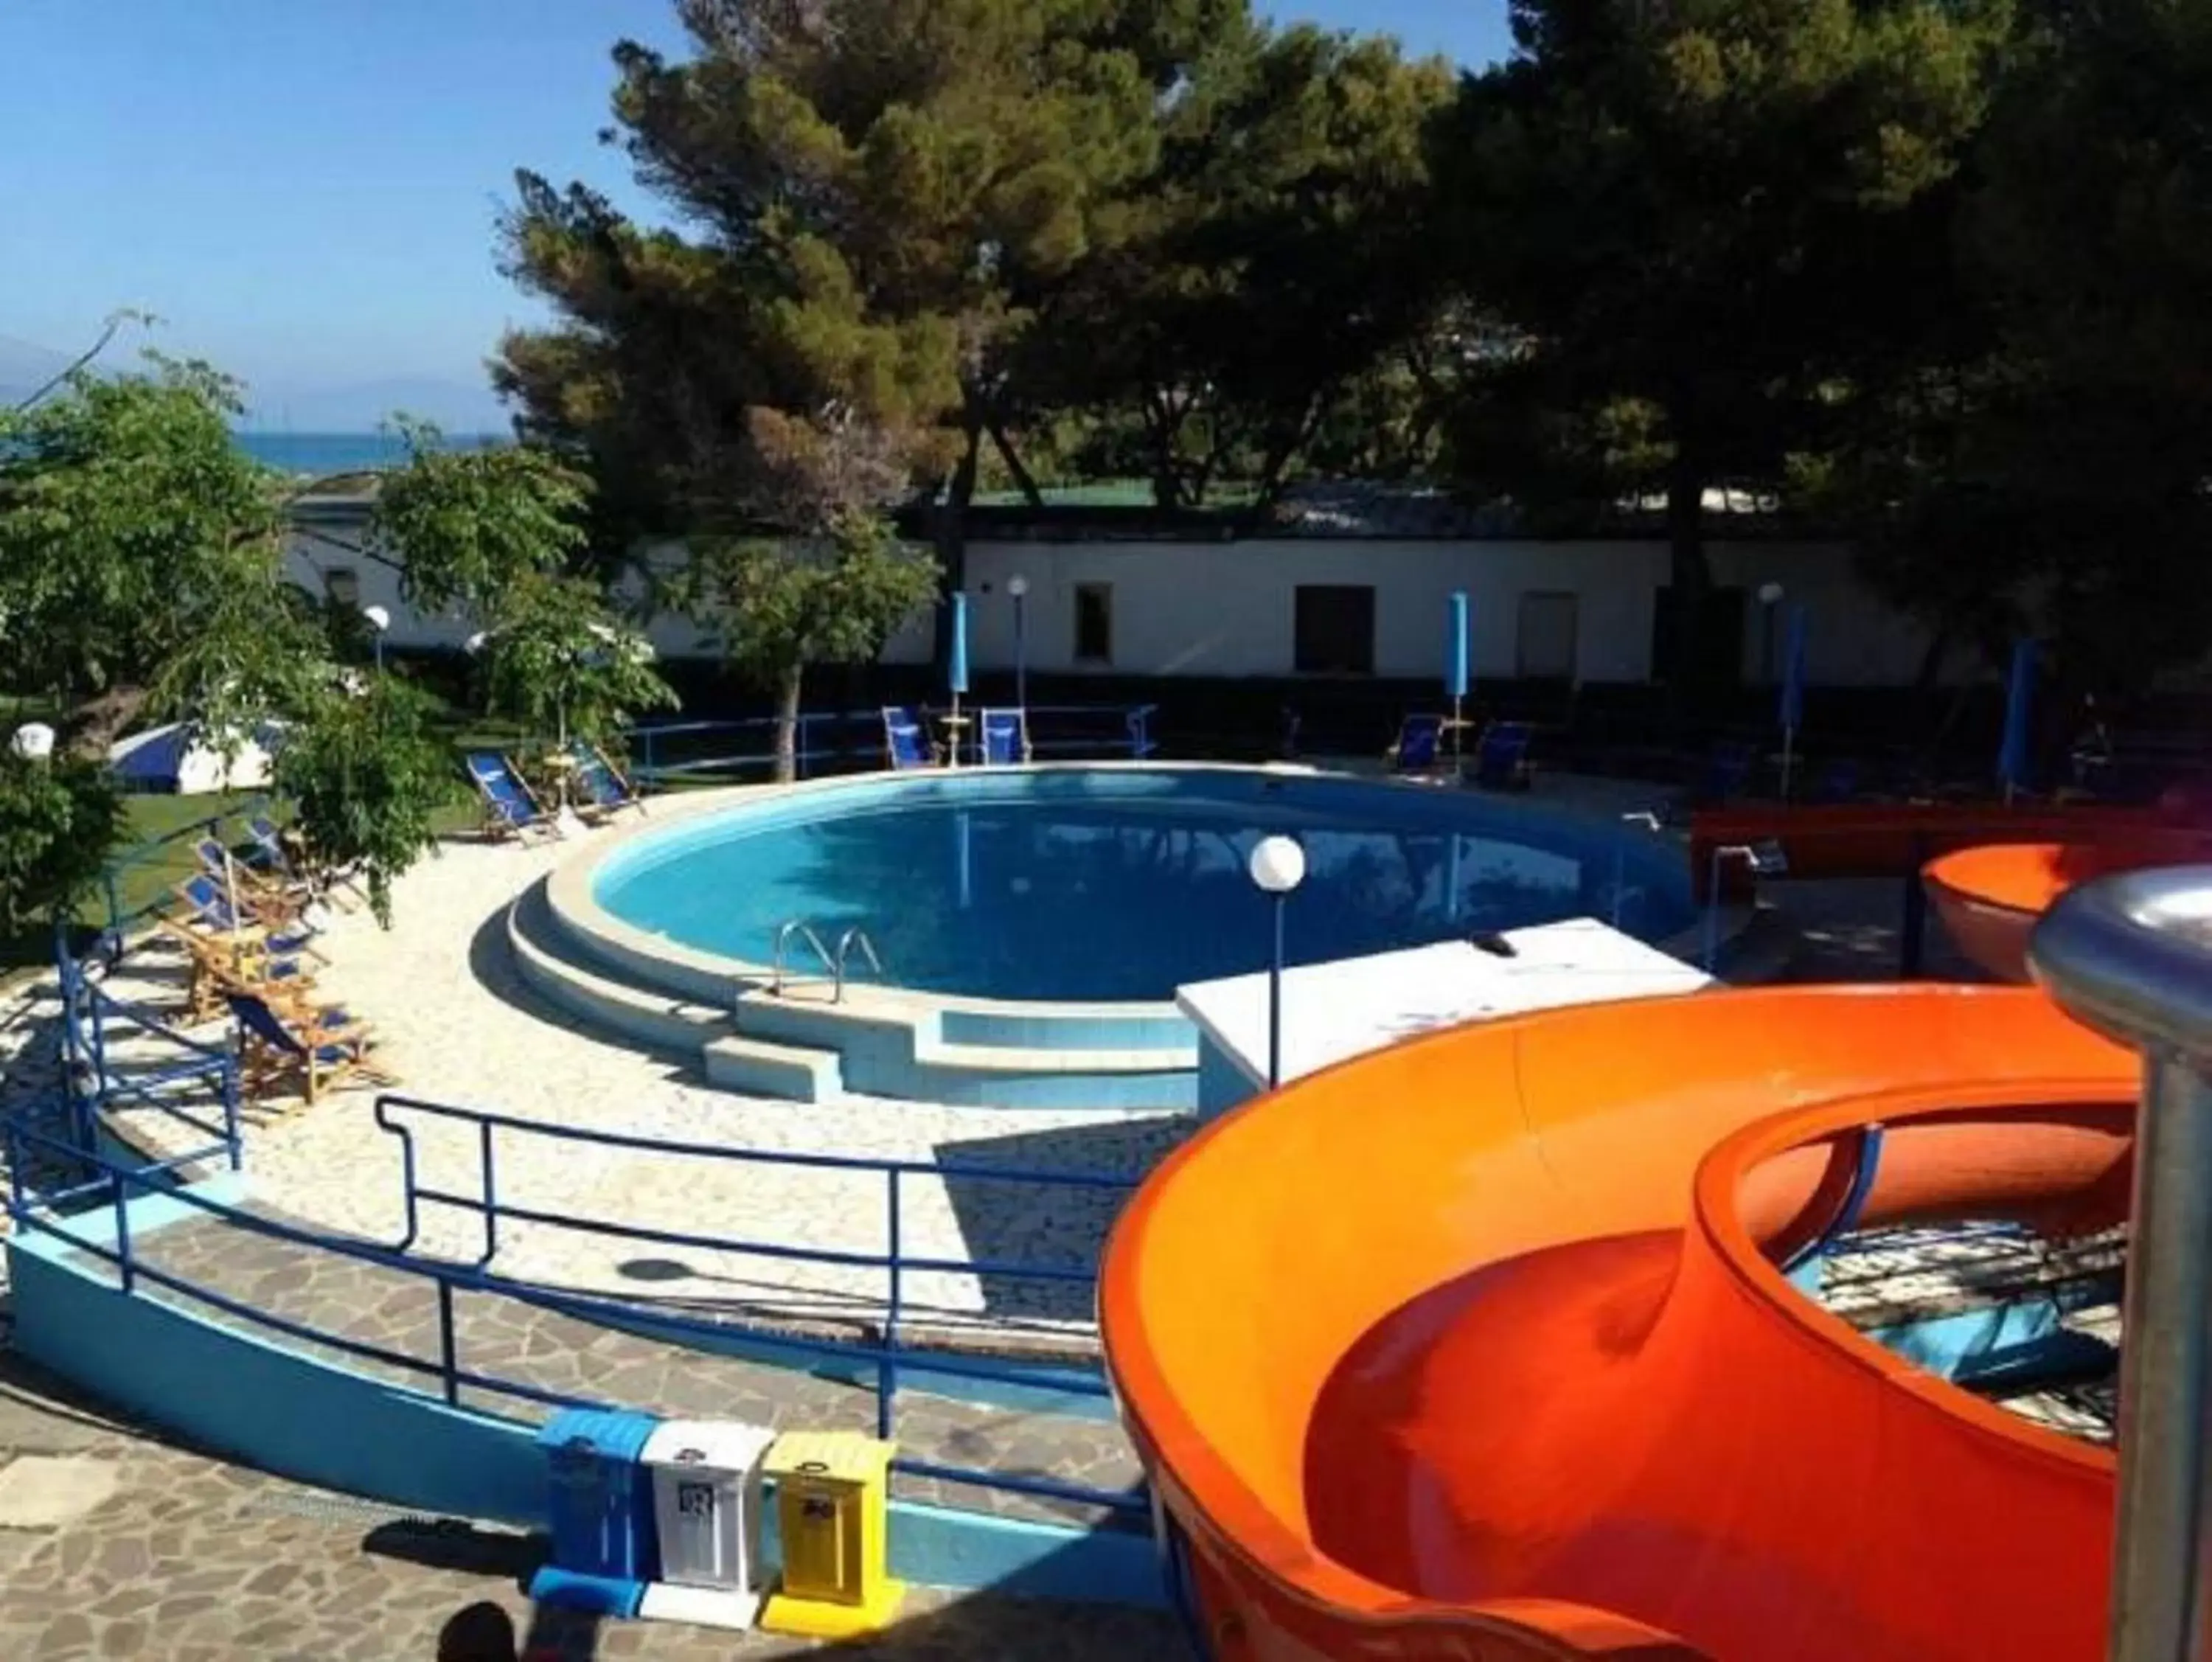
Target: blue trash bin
(600, 1506)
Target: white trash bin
(707, 1511)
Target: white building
(1325, 602)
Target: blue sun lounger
(1004, 737)
(601, 790)
(510, 809)
(1419, 737)
(208, 911)
(322, 1048)
(270, 856)
(1501, 760)
(905, 744)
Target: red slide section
(1476, 1348)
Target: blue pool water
(1121, 884)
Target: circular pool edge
(696, 973)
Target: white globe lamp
(1278, 865)
(33, 741)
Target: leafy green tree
(142, 572)
(496, 536)
(140, 555)
(875, 199)
(560, 663)
(59, 819)
(471, 527)
(1276, 259)
(776, 607)
(1704, 226)
(366, 774)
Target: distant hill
(25, 367)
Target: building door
(1333, 629)
(1094, 624)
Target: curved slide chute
(1989, 897)
(1476, 1348)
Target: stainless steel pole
(2131, 956)
(2157, 1612)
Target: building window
(342, 586)
(1545, 645)
(1094, 622)
(1333, 632)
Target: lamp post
(33, 741)
(1019, 587)
(1278, 866)
(1770, 600)
(378, 621)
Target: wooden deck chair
(220, 967)
(271, 854)
(320, 1049)
(270, 893)
(511, 808)
(208, 908)
(602, 791)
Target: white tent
(176, 760)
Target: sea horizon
(318, 453)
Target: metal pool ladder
(855, 936)
(804, 931)
(834, 962)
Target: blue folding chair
(270, 856)
(906, 745)
(209, 912)
(323, 1048)
(1005, 738)
(1501, 760)
(1419, 737)
(510, 808)
(604, 790)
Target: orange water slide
(1989, 897)
(1475, 1347)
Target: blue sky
(305, 189)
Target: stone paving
(151, 1553)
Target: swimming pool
(1117, 884)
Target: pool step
(765, 1069)
(802, 1046)
(895, 1051)
(699, 1033)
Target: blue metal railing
(829, 739)
(90, 1014)
(113, 1183)
(895, 1262)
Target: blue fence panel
(115, 1184)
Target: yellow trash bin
(832, 1504)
